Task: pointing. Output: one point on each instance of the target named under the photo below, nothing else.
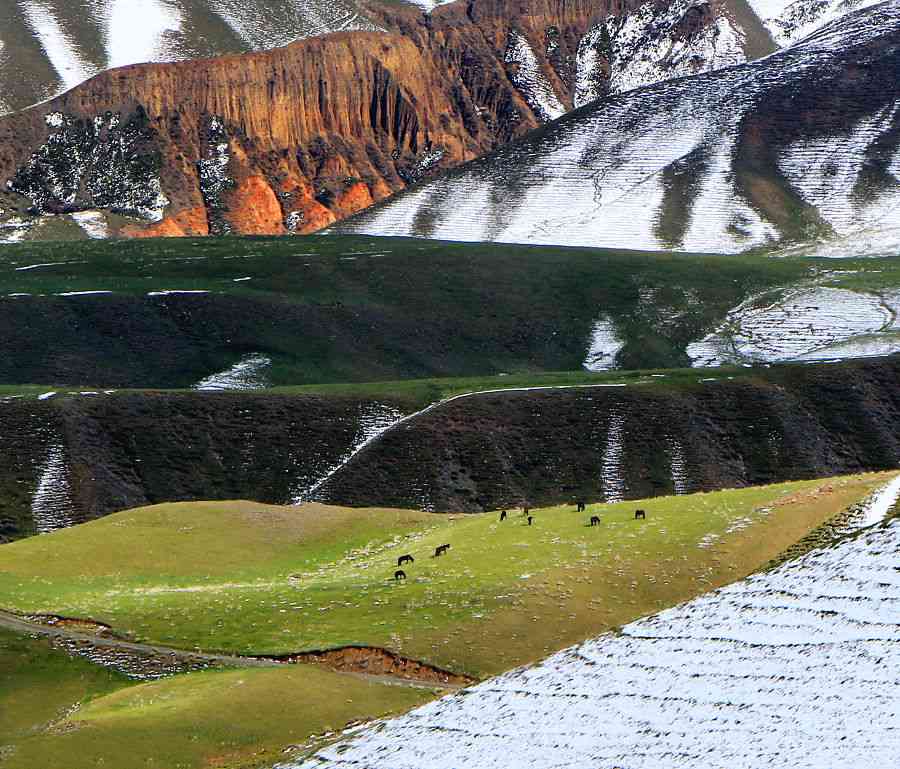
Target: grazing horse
(640, 515)
(399, 574)
(405, 559)
(439, 551)
(581, 507)
(503, 515)
(530, 520)
(595, 520)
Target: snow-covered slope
(794, 667)
(47, 46)
(791, 20)
(794, 146)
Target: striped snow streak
(249, 373)
(374, 419)
(603, 346)
(52, 507)
(792, 667)
(678, 465)
(530, 79)
(138, 31)
(612, 473)
(60, 49)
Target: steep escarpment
(69, 460)
(293, 139)
(535, 447)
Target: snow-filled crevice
(529, 78)
(612, 470)
(249, 373)
(52, 506)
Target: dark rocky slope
(607, 443)
(66, 461)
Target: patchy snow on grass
(797, 324)
(530, 79)
(374, 419)
(93, 223)
(249, 373)
(678, 466)
(176, 292)
(603, 345)
(792, 667)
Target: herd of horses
(639, 515)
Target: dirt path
(150, 661)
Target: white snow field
(603, 345)
(802, 324)
(796, 667)
(608, 175)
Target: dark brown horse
(640, 515)
(530, 519)
(503, 515)
(399, 574)
(595, 520)
(439, 551)
(405, 559)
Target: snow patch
(528, 76)
(249, 373)
(612, 473)
(51, 506)
(93, 223)
(61, 50)
(603, 346)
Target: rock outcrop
(293, 139)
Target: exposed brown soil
(378, 662)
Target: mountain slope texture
(796, 147)
(293, 139)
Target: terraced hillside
(256, 312)
(77, 456)
(633, 439)
(795, 148)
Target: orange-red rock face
(293, 139)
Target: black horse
(503, 515)
(405, 559)
(399, 574)
(582, 506)
(530, 520)
(640, 515)
(441, 550)
(595, 520)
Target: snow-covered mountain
(797, 147)
(48, 46)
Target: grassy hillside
(333, 309)
(60, 712)
(251, 578)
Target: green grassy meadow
(249, 578)
(358, 309)
(60, 712)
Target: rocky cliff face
(296, 138)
